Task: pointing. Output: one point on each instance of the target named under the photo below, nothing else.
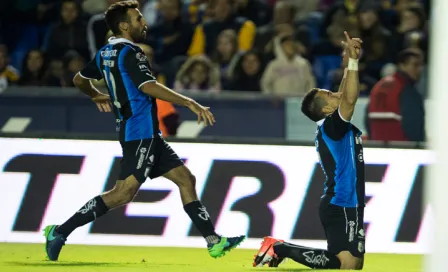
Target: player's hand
(102, 101)
(352, 46)
(203, 113)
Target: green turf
(31, 258)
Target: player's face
(333, 100)
(137, 26)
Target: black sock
(201, 219)
(88, 213)
(311, 257)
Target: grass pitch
(31, 258)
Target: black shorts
(147, 158)
(344, 228)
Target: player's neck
(124, 36)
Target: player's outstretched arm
(162, 92)
(350, 93)
(101, 100)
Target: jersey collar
(320, 122)
(114, 40)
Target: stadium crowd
(280, 47)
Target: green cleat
(54, 242)
(225, 245)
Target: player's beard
(138, 35)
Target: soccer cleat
(54, 242)
(225, 245)
(266, 254)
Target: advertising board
(256, 190)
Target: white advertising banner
(256, 190)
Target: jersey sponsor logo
(361, 246)
(143, 67)
(141, 57)
(88, 207)
(351, 234)
(361, 233)
(108, 53)
(311, 258)
(109, 63)
(141, 158)
(203, 214)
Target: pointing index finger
(347, 37)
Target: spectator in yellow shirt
(205, 35)
(8, 74)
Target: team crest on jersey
(141, 57)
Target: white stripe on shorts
(138, 148)
(346, 221)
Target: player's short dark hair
(406, 54)
(117, 13)
(312, 105)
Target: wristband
(352, 64)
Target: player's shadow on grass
(285, 269)
(49, 264)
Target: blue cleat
(54, 242)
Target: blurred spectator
(226, 54)
(155, 68)
(198, 74)
(150, 11)
(376, 40)
(73, 63)
(172, 36)
(196, 11)
(95, 6)
(396, 111)
(205, 36)
(33, 69)
(8, 74)
(97, 30)
(342, 10)
(168, 118)
(282, 24)
(255, 10)
(69, 33)
(289, 73)
(246, 75)
(54, 77)
(412, 19)
(303, 8)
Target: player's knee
(123, 192)
(188, 181)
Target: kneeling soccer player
(340, 152)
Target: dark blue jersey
(339, 146)
(125, 69)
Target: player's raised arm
(350, 93)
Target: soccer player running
(340, 151)
(133, 92)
